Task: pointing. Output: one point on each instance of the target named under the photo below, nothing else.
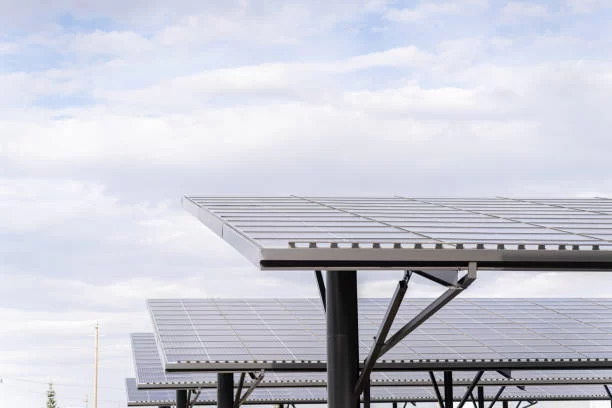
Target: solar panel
(289, 334)
(150, 374)
(384, 232)
(379, 394)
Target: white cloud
(430, 9)
(524, 9)
(113, 43)
(587, 6)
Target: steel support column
(181, 399)
(505, 404)
(481, 399)
(448, 389)
(342, 339)
(225, 390)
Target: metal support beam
(193, 397)
(436, 389)
(239, 389)
(473, 385)
(448, 389)
(367, 398)
(394, 405)
(342, 339)
(225, 390)
(496, 398)
(181, 399)
(607, 388)
(321, 285)
(383, 331)
(473, 400)
(481, 399)
(248, 392)
(432, 308)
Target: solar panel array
(379, 394)
(150, 374)
(283, 222)
(271, 333)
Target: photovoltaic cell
(379, 394)
(285, 334)
(309, 232)
(150, 374)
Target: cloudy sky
(111, 110)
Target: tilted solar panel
(399, 232)
(150, 374)
(289, 334)
(379, 394)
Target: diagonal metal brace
(470, 389)
(496, 398)
(383, 330)
(239, 389)
(321, 285)
(248, 392)
(436, 389)
(192, 401)
(432, 308)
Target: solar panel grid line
(274, 334)
(536, 346)
(554, 205)
(374, 220)
(519, 221)
(202, 345)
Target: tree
(51, 403)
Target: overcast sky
(111, 110)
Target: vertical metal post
(448, 389)
(481, 401)
(96, 366)
(395, 405)
(505, 404)
(367, 398)
(342, 339)
(181, 398)
(225, 390)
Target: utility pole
(96, 370)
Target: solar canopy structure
(344, 234)
(474, 334)
(402, 232)
(151, 375)
(415, 395)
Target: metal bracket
(508, 374)
(242, 399)
(473, 385)
(383, 331)
(432, 308)
(192, 401)
(442, 277)
(321, 284)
